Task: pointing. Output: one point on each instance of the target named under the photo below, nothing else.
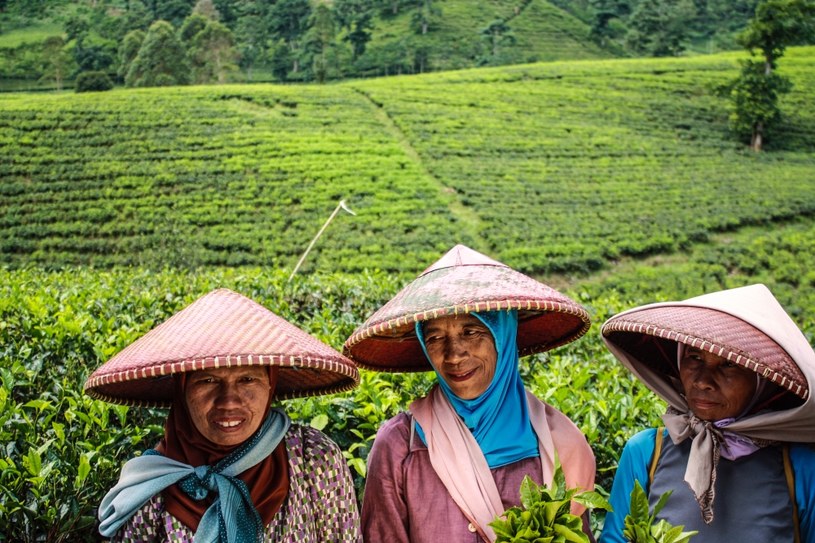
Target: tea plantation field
(62, 451)
(549, 167)
(614, 181)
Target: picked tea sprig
(639, 525)
(545, 513)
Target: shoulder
(643, 439)
(802, 456)
(395, 434)
(395, 428)
(310, 442)
(639, 448)
(392, 441)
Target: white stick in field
(342, 206)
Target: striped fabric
(321, 505)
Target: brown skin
(227, 405)
(462, 350)
(715, 388)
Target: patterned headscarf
(499, 417)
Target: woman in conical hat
(736, 451)
(445, 470)
(230, 468)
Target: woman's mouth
(460, 376)
(704, 405)
(228, 424)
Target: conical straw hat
(746, 326)
(221, 329)
(464, 281)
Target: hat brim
(707, 329)
(221, 330)
(153, 387)
(387, 340)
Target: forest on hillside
(53, 42)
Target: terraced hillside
(548, 167)
(530, 31)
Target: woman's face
(227, 405)
(462, 350)
(715, 388)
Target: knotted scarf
(268, 480)
(231, 516)
(711, 441)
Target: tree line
(141, 43)
(209, 41)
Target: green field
(550, 167)
(57, 326)
(614, 181)
(539, 32)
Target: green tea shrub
(60, 451)
(544, 514)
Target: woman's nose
(703, 379)
(454, 351)
(228, 392)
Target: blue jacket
(636, 459)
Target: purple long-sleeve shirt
(406, 502)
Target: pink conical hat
(464, 281)
(745, 325)
(221, 329)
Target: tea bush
(61, 451)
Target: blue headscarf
(499, 417)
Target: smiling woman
(469, 442)
(230, 468)
(228, 405)
(462, 352)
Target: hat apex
(461, 255)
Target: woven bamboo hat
(221, 329)
(464, 281)
(746, 326)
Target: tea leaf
(545, 515)
(530, 493)
(639, 526)
(320, 421)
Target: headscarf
(267, 481)
(231, 516)
(499, 417)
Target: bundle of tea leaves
(545, 513)
(639, 525)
